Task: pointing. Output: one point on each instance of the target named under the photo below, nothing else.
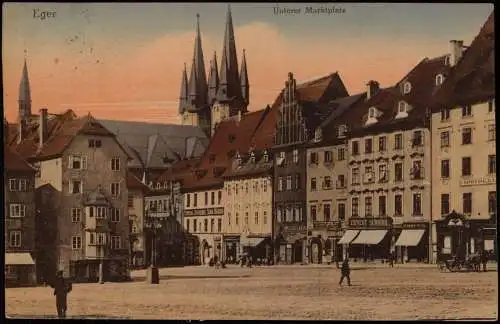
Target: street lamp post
(101, 264)
(154, 224)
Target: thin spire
(24, 86)
(213, 79)
(183, 99)
(198, 80)
(244, 78)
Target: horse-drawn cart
(471, 263)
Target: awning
(18, 259)
(370, 237)
(294, 238)
(349, 235)
(410, 237)
(251, 241)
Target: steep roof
(134, 183)
(473, 78)
(12, 161)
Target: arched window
(406, 87)
(439, 79)
(402, 107)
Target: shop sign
(414, 225)
(478, 181)
(204, 212)
(384, 222)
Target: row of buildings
(319, 175)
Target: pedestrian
(391, 259)
(484, 259)
(61, 289)
(345, 271)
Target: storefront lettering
(478, 181)
(414, 225)
(370, 222)
(204, 212)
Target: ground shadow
(170, 277)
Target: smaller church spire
(245, 87)
(183, 99)
(213, 79)
(24, 86)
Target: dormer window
(342, 130)
(266, 156)
(406, 87)
(439, 79)
(158, 186)
(372, 116)
(252, 157)
(402, 110)
(150, 184)
(371, 112)
(317, 134)
(165, 185)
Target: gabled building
(464, 167)
(19, 217)
(299, 109)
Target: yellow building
(464, 154)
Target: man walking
(61, 290)
(345, 271)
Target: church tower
(193, 100)
(232, 97)
(24, 103)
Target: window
(313, 184)
(368, 145)
(445, 169)
(206, 198)
(195, 199)
(76, 215)
(417, 204)
(212, 225)
(326, 212)
(492, 133)
(101, 212)
(341, 154)
(417, 138)
(212, 197)
(398, 205)
(219, 197)
(13, 185)
(188, 224)
(492, 164)
(406, 87)
(130, 202)
(15, 238)
(265, 218)
(342, 129)
(445, 139)
(368, 174)
(219, 225)
(280, 184)
(256, 218)
(445, 114)
(17, 210)
(313, 213)
(295, 156)
(398, 141)
(368, 206)
(401, 107)
(341, 208)
(355, 176)
(75, 187)
(313, 158)
(417, 170)
(382, 173)
(466, 110)
(466, 135)
(466, 166)
(398, 172)
(115, 164)
(77, 162)
(205, 225)
(23, 184)
(116, 242)
(278, 214)
(188, 200)
(382, 208)
(76, 242)
(327, 183)
(491, 105)
(246, 218)
(354, 206)
(445, 204)
(115, 215)
(115, 189)
(340, 181)
(288, 182)
(371, 112)
(297, 181)
(382, 141)
(95, 143)
(492, 202)
(328, 157)
(467, 202)
(355, 148)
(439, 79)
(195, 225)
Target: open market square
(378, 292)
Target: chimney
(455, 51)
(372, 87)
(42, 127)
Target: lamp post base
(101, 273)
(152, 275)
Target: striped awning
(370, 237)
(410, 237)
(348, 236)
(18, 259)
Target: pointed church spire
(183, 99)
(229, 65)
(213, 79)
(198, 80)
(24, 89)
(245, 87)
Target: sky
(124, 60)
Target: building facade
(137, 192)
(20, 224)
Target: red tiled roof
(134, 183)
(473, 78)
(12, 161)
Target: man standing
(61, 290)
(345, 271)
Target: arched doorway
(205, 251)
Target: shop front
(323, 242)
(291, 243)
(231, 249)
(412, 243)
(19, 269)
(368, 239)
(257, 247)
